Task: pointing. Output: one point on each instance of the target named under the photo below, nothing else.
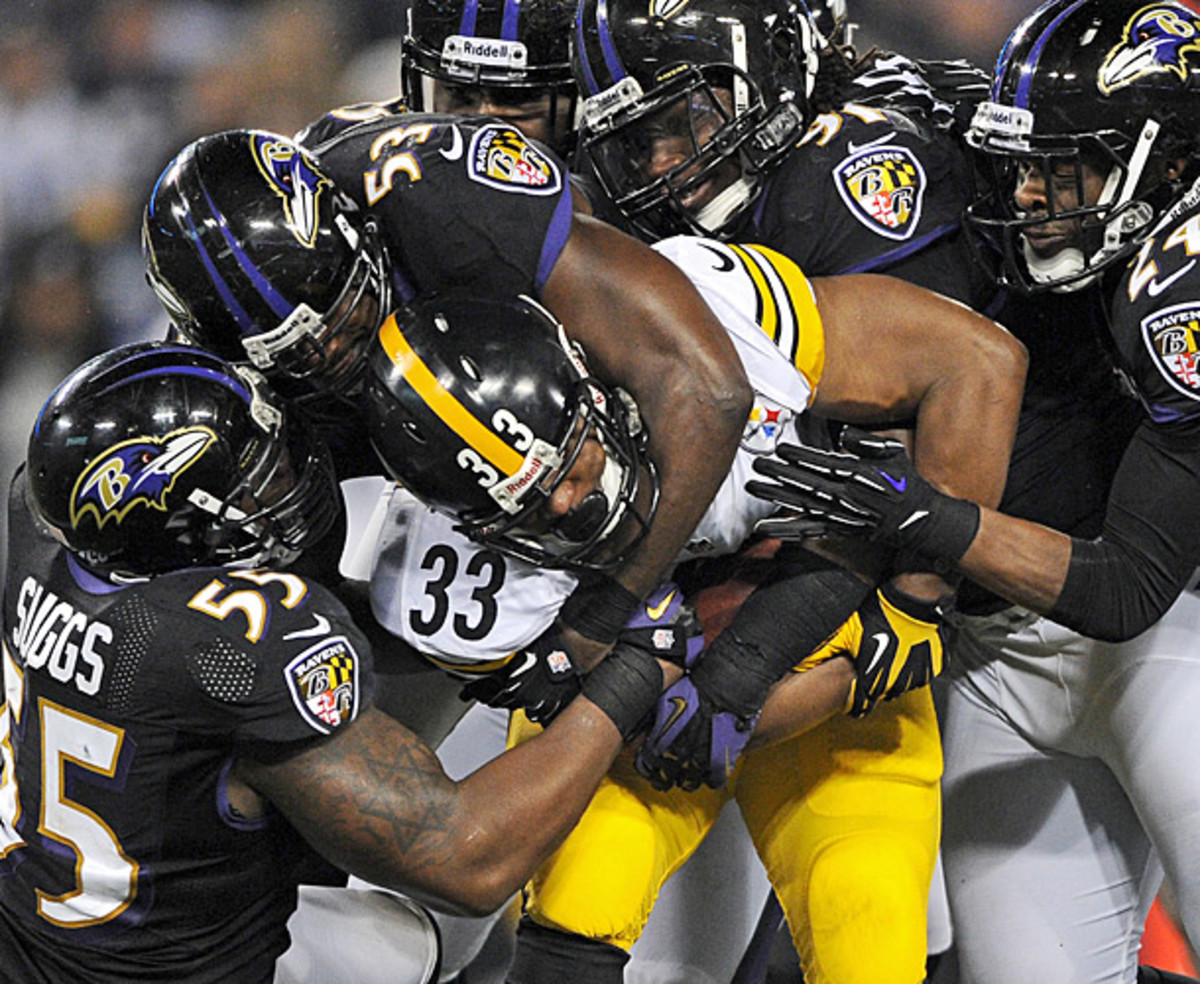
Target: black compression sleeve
(776, 627)
(1120, 585)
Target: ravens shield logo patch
(503, 158)
(884, 188)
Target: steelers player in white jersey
(525, 500)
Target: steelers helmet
(481, 407)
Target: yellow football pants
(846, 819)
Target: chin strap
(716, 214)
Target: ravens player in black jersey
(479, 58)
(1091, 137)
(259, 250)
(184, 719)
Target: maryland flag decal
(502, 158)
(884, 188)
(1172, 337)
(324, 684)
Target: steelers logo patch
(884, 188)
(324, 684)
(503, 158)
(764, 426)
(1172, 337)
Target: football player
(534, 461)
(1085, 712)
(479, 58)
(739, 119)
(261, 251)
(185, 720)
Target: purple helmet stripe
(466, 26)
(214, 375)
(611, 60)
(508, 22)
(279, 304)
(590, 88)
(1021, 97)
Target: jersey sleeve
(767, 306)
(1122, 583)
(870, 191)
(462, 202)
(268, 657)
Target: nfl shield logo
(1172, 337)
(884, 188)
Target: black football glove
(539, 678)
(870, 488)
(896, 642)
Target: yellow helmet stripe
(457, 417)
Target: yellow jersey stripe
(457, 417)
(798, 329)
(767, 314)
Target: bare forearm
(1018, 560)
(801, 701)
(376, 802)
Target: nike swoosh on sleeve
(320, 627)
(656, 612)
(456, 147)
(1156, 286)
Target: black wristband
(948, 532)
(625, 685)
(598, 609)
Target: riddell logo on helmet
(535, 467)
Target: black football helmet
(154, 457)
(832, 18)
(480, 408)
(1114, 84)
(650, 72)
(517, 50)
(256, 256)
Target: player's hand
(896, 642)
(692, 741)
(869, 488)
(539, 678)
(666, 626)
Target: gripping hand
(870, 488)
(539, 678)
(896, 642)
(692, 741)
(665, 626)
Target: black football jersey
(460, 201)
(1156, 317)
(121, 858)
(872, 191)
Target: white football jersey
(468, 607)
